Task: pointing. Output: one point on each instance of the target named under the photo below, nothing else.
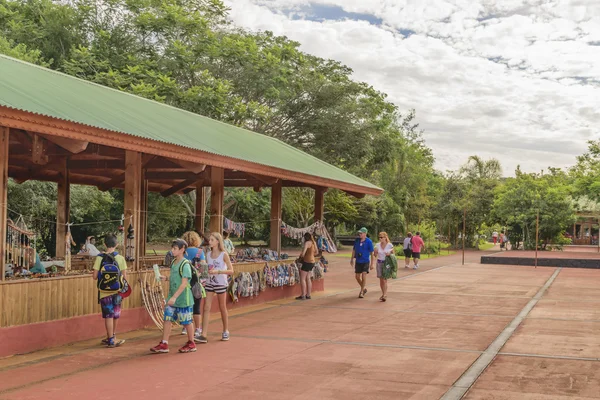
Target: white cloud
(518, 80)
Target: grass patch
(486, 246)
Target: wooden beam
(132, 203)
(276, 202)
(63, 209)
(355, 194)
(97, 164)
(39, 150)
(71, 145)
(267, 180)
(144, 215)
(199, 220)
(117, 180)
(4, 144)
(190, 166)
(320, 204)
(217, 193)
(180, 186)
(158, 175)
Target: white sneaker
(416, 267)
(183, 332)
(198, 333)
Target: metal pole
(450, 243)
(598, 236)
(537, 235)
(463, 236)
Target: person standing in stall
(309, 252)
(383, 249)
(362, 252)
(219, 268)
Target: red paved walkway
(436, 323)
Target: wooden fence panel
(30, 301)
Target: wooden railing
(28, 301)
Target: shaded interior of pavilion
(34, 156)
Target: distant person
(503, 241)
(417, 246)
(90, 247)
(407, 247)
(180, 302)
(495, 237)
(362, 252)
(309, 252)
(383, 249)
(110, 269)
(229, 247)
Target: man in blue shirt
(363, 253)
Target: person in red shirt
(417, 246)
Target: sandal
(361, 296)
(383, 298)
(300, 298)
(365, 291)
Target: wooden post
(217, 193)
(319, 204)
(63, 209)
(463, 236)
(132, 203)
(143, 214)
(4, 132)
(537, 236)
(199, 222)
(275, 242)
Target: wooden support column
(3, 196)
(132, 203)
(199, 222)
(144, 214)
(276, 197)
(63, 208)
(319, 204)
(217, 193)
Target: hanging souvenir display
(236, 228)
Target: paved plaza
(446, 331)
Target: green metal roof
(30, 88)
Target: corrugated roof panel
(34, 89)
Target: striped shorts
(215, 288)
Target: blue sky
(518, 80)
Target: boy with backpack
(180, 302)
(110, 272)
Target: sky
(517, 80)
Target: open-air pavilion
(54, 127)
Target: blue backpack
(109, 276)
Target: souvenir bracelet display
(20, 255)
(255, 254)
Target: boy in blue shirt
(362, 252)
(180, 301)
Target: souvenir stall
(113, 140)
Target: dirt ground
(446, 331)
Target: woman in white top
(382, 249)
(219, 267)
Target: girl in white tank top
(219, 268)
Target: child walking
(219, 267)
(110, 271)
(180, 303)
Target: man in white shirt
(90, 247)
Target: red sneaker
(189, 347)
(161, 348)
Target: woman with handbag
(383, 249)
(309, 251)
